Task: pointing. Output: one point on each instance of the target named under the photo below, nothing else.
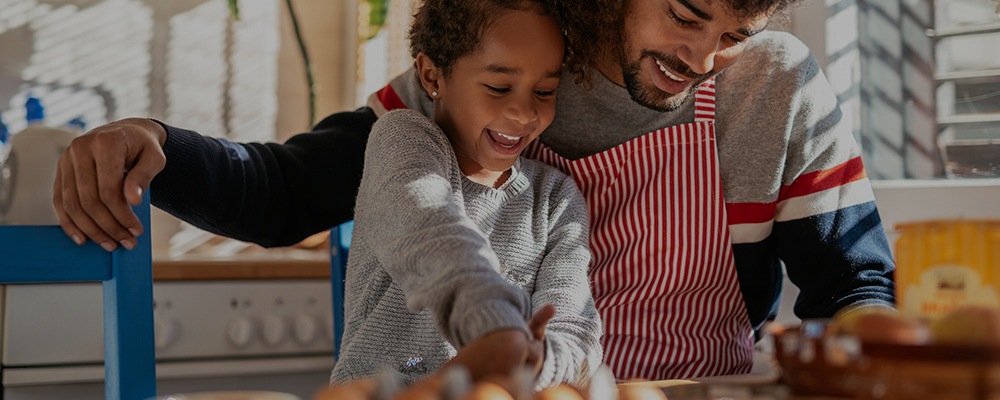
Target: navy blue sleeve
(266, 193)
(838, 259)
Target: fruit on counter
(970, 325)
(561, 392)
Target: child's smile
(493, 102)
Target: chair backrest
(44, 254)
(340, 243)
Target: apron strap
(704, 102)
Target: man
(709, 151)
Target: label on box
(942, 288)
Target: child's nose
(523, 111)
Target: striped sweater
(795, 188)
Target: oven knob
(164, 333)
(329, 329)
(304, 329)
(273, 329)
(239, 331)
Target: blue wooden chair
(340, 242)
(44, 254)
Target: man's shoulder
(775, 52)
(773, 64)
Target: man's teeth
(667, 73)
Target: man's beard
(650, 96)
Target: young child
(456, 237)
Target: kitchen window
(919, 77)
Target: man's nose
(701, 56)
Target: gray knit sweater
(438, 260)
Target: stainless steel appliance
(210, 335)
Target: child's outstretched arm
(573, 348)
(411, 207)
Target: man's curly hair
(595, 29)
(447, 30)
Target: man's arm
(271, 194)
(827, 228)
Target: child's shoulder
(406, 116)
(403, 131)
(404, 121)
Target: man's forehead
(750, 16)
(748, 11)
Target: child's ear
(430, 76)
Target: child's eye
(497, 90)
(545, 93)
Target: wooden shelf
(191, 268)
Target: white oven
(210, 335)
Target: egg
(891, 328)
(639, 391)
(968, 326)
(356, 390)
(488, 391)
(561, 392)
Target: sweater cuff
(487, 317)
(547, 376)
(177, 140)
(182, 163)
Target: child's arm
(573, 348)
(410, 207)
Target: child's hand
(496, 353)
(536, 347)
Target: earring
(434, 94)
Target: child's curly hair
(447, 30)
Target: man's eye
(496, 89)
(736, 39)
(680, 21)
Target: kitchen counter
(270, 265)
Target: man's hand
(101, 174)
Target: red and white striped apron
(663, 273)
